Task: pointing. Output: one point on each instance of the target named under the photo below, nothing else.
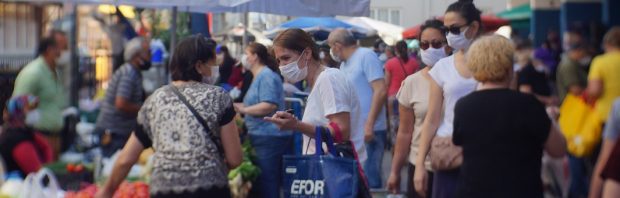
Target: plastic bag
(33, 186)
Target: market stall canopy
(307, 8)
(389, 33)
(312, 8)
(490, 23)
(236, 33)
(319, 27)
(517, 13)
(207, 4)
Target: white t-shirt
(454, 88)
(332, 94)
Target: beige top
(414, 94)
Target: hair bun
(466, 1)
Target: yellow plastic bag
(581, 126)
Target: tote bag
(320, 175)
(581, 126)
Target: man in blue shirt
(365, 71)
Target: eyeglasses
(455, 29)
(434, 43)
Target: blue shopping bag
(320, 175)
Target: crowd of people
(473, 114)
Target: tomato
(79, 168)
(70, 167)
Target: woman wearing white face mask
(332, 102)
(451, 80)
(264, 97)
(190, 126)
(413, 104)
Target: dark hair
(45, 44)
(297, 40)
(467, 10)
(434, 24)
(264, 57)
(401, 49)
(189, 52)
(379, 43)
(226, 53)
(523, 44)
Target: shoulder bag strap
(200, 119)
(402, 67)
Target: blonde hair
(490, 58)
(612, 37)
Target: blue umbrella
(319, 27)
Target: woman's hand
(284, 120)
(103, 193)
(239, 107)
(393, 183)
(420, 180)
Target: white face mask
(219, 59)
(64, 59)
(458, 42)
(585, 61)
(32, 118)
(540, 68)
(334, 56)
(383, 57)
(431, 55)
(244, 62)
(215, 74)
(292, 73)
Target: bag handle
(200, 119)
(319, 142)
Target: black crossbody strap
(200, 119)
(402, 67)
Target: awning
(517, 13)
(319, 27)
(312, 8)
(389, 33)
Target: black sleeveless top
(9, 139)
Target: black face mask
(146, 65)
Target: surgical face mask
(64, 59)
(585, 61)
(215, 74)
(145, 65)
(219, 59)
(244, 62)
(32, 118)
(458, 42)
(431, 55)
(292, 73)
(540, 68)
(383, 57)
(334, 56)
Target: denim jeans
(269, 151)
(579, 177)
(372, 167)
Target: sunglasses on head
(455, 29)
(435, 44)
